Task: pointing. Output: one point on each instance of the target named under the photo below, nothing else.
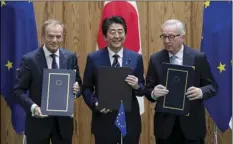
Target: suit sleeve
(140, 76)
(208, 84)
(22, 82)
(88, 84)
(78, 78)
(150, 80)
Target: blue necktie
(115, 61)
(173, 60)
(54, 64)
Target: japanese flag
(128, 10)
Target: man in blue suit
(114, 30)
(171, 128)
(40, 129)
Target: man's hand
(37, 113)
(76, 88)
(104, 110)
(132, 81)
(194, 93)
(159, 91)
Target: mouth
(168, 45)
(54, 45)
(117, 42)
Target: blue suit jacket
(29, 78)
(193, 125)
(104, 123)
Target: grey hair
(179, 25)
(52, 21)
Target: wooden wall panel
(196, 24)
(47, 10)
(143, 20)
(81, 20)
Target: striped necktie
(115, 61)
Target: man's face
(115, 36)
(171, 38)
(53, 37)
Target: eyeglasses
(170, 37)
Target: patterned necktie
(115, 61)
(173, 60)
(54, 64)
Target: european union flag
(120, 120)
(18, 36)
(217, 44)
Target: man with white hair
(171, 128)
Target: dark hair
(110, 20)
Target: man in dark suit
(171, 128)
(40, 129)
(114, 30)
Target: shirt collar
(48, 53)
(179, 54)
(111, 53)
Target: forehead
(54, 28)
(116, 26)
(170, 29)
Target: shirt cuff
(201, 94)
(153, 97)
(32, 108)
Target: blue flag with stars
(120, 121)
(217, 44)
(18, 36)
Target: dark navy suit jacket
(193, 126)
(29, 77)
(103, 124)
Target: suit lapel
(62, 59)
(40, 56)
(187, 59)
(105, 59)
(165, 57)
(126, 58)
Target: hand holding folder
(38, 114)
(194, 93)
(103, 110)
(132, 81)
(76, 88)
(159, 91)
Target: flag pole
(24, 139)
(215, 134)
(121, 139)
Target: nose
(166, 40)
(116, 35)
(54, 39)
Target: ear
(105, 38)
(182, 37)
